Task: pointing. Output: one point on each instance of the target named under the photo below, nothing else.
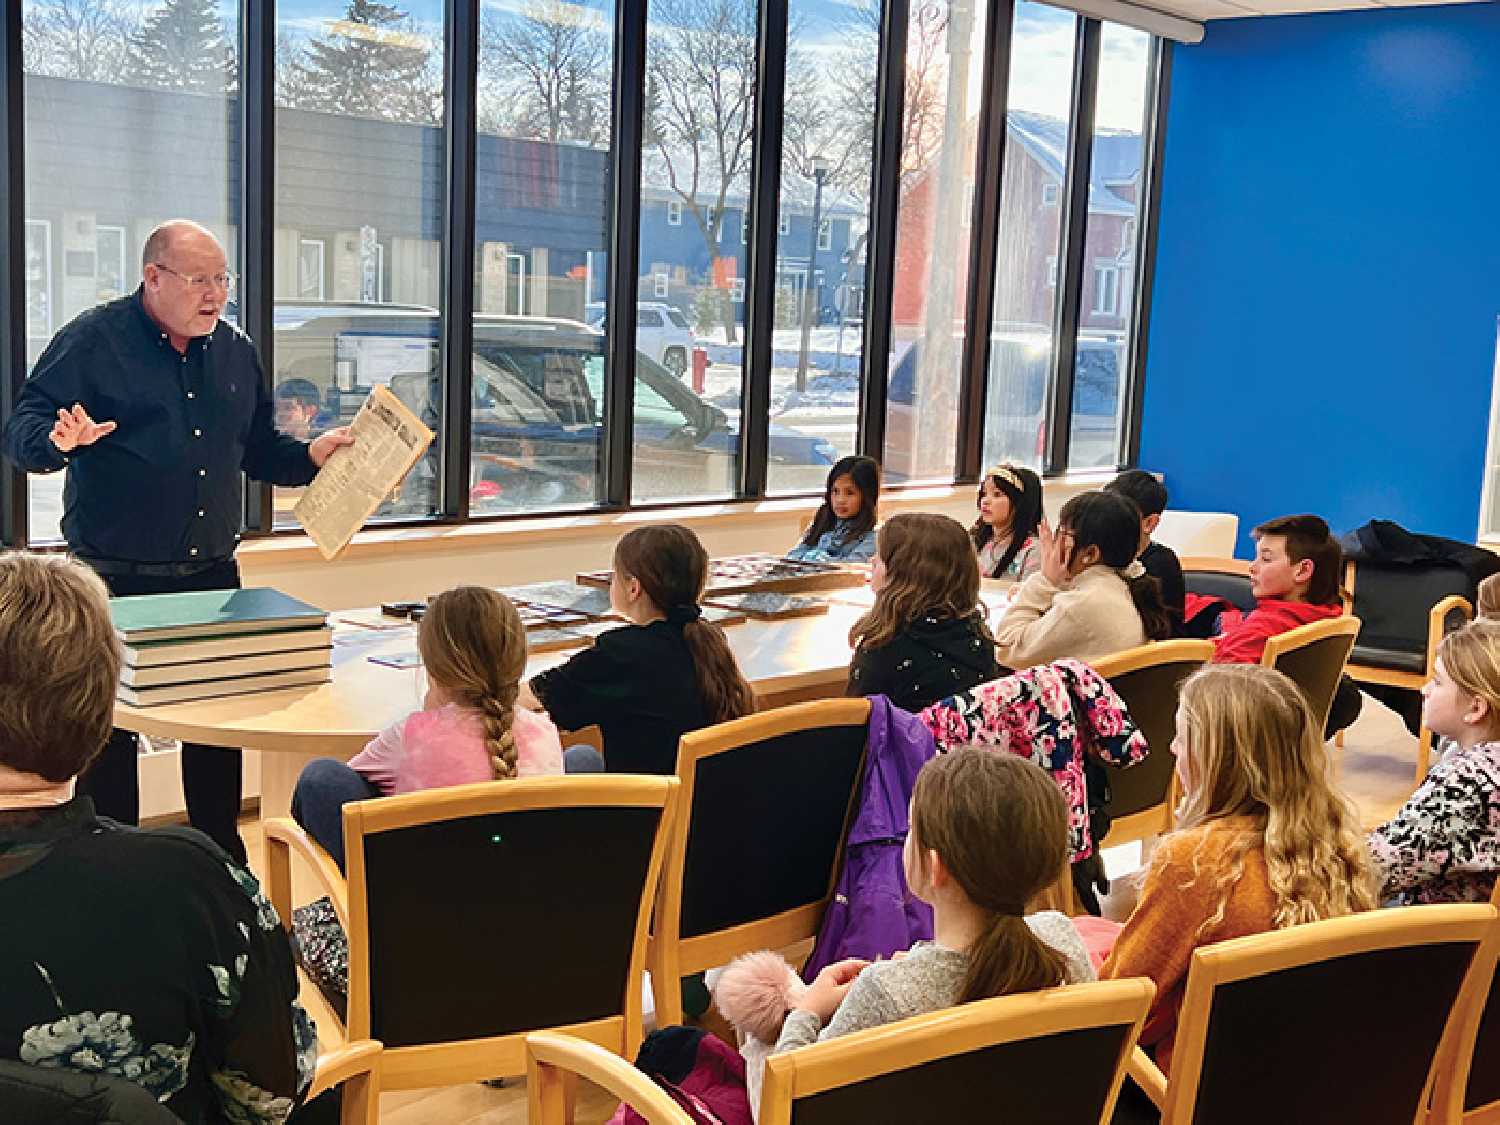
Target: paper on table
(356, 479)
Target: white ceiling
(1227, 9)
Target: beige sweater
(1091, 617)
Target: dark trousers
(211, 775)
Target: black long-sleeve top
(165, 486)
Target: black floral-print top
(1444, 843)
(148, 955)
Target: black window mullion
(626, 140)
(13, 506)
(461, 95)
(765, 191)
(1074, 245)
(257, 220)
(984, 231)
(1150, 216)
(885, 202)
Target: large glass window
(110, 89)
(828, 137)
(944, 75)
(1115, 193)
(359, 219)
(540, 254)
(700, 109)
(1038, 113)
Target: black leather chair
(1219, 578)
(1273, 1027)
(1036, 1058)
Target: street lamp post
(809, 296)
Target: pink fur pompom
(754, 992)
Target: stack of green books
(212, 643)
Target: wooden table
(786, 661)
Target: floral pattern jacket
(1053, 714)
(1443, 845)
(149, 956)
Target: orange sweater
(1178, 895)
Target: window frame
(254, 221)
(674, 212)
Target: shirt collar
(50, 825)
(153, 330)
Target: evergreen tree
(182, 46)
(372, 63)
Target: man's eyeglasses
(224, 281)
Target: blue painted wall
(1328, 273)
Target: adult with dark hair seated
(142, 954)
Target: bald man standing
(155, 407)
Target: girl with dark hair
(1010, 512)
(630, 682)
(1091, 596)
(978, 871)
(844, 528)
(925, 638)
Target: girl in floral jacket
(1444, 843)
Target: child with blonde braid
(473, 647)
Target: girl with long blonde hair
(925, 638)
(473, 648)
(1263, 839)
(1444, 843)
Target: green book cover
(208, 613)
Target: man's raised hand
(75, 428)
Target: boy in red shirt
(1295, 581)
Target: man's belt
(118, 567)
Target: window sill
(486, 535)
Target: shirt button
(190, 394)
(203, 472)
(197, 433)
(192, 550)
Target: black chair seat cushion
(69, 1097)
(1394, 659)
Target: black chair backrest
(1233, 588)
(1315, 669)
(1284, 1046)
(1393, 602)
(70, 1097)
(489, 925)
(766, 824)
(1055, 1078)
(1150, 695)
(1484, 1074)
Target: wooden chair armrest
(551, 1057)
(1148, 1077)
(362, 1057)
(284, 836)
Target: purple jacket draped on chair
(872, 914)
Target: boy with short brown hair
(1295, 581)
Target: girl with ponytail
(1091, 596)
(989, 833)
(473, 648)
(668, 672)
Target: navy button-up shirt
(165, 487)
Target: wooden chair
(1147, 678)
(759, 833)
(555, 1062)
(478, 913)
(1276, 1027)
(355, 1067)
(1475, 1101)
(1219, 578)
(1313, 657)
(1406, 611)
(1038, 1057)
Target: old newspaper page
(353, 482)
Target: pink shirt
(445, 746)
